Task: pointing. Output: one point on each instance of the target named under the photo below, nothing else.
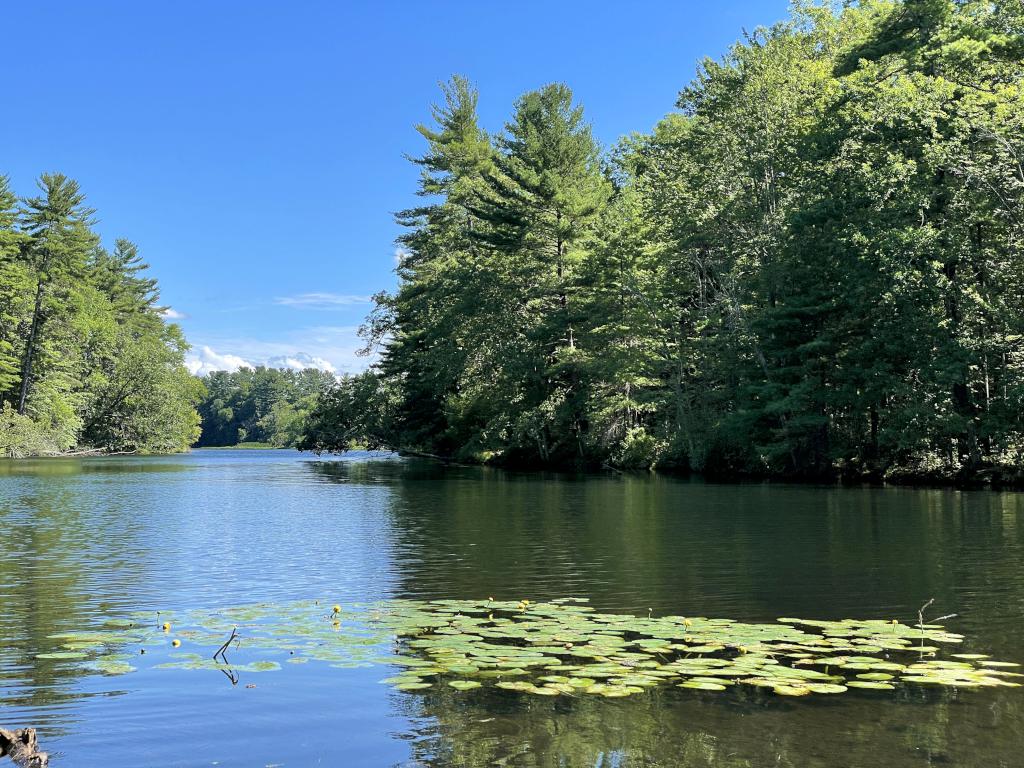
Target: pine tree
(14, 288)
(431, 323)
(58, 243)
(542, 203)
(121, 277)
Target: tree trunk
(873, 446)
(30, 347)
(563, 298)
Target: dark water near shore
(100, 537)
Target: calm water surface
(82, 539)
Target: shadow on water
(738, 730)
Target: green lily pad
(413, 686)
(877, 686)
(546, 649)
(826, 688)
(702, 685)
(792, 690)
(62, 655)
(464, 685)
(511, 685)
(111, 666)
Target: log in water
(22, 746)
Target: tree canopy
(259, 405)
(86, 357)
(813, 267)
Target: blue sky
(254, 150)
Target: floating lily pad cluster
(559, 648)
(564, 648)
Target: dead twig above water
(220, 652)
(920, 618)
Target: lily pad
(546, 649)
(702, 685)
(62, 655)
(464, 685)
(413, 686)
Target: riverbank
(984, 477)
(76, 454)
(250, 446)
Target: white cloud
(207, 361)
(321, 300)
(173, 314)
(400, 255)
(331, 348)
(300, 361)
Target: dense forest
(259, 405)
(812, 268)
(87, 360)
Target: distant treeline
(259, 405)
(815, 267)
(86, 359)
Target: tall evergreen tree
(14, 288)
(813, 268)
(58, 243)
(542, 203)
(85, 357)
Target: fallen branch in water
(23, 748)
(220, 651)
(229, 673)
(920, 618)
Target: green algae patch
(558, 648)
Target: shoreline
(985, 479)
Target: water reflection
(86, 538)
(707, 731)
(752, 552)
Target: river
(84, 539)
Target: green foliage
(86, 359)
(148, 402)
(813, 268)
(262, 405)
(356, 410)
(21, 436)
